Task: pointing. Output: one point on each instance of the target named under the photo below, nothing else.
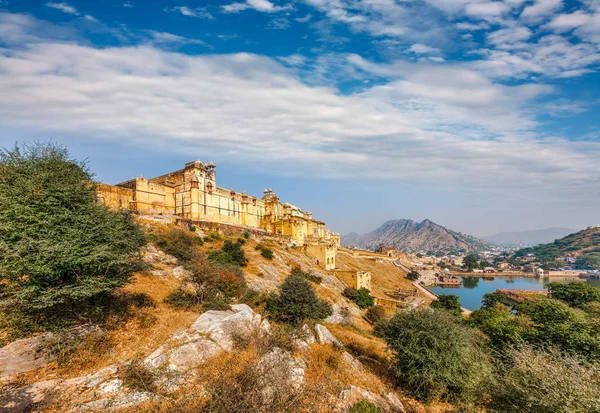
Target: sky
(480, 115)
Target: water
(472, 289)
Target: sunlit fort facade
(192, 193)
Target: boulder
(180, 272)
(353, 363)
(279, 371)
(303, 338)
(353, 394)
(23, 355)
(324, 336)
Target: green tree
(576, 294)
(471, 261)
(375, 313)
(413, 276)
(502, 327)
(485, 264)
(447, 302)
(364, 298)
(435, 357)
(231, 254)
(298, 301)
(58, 246)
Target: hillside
(535, 237)
(414, 237)
(92, 372)
(583, 245)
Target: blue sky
(480, 115)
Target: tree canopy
(58, 245)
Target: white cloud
(64, 7)
(541, 9)
(472, 26)
(128, 5)
(508, 36)
(200, 12)
(264, 6)
(488, 10)
(164, 38)
(565, 22)
(304, 19)
(422, 49)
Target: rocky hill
(414, 237)
(540, 236)
(583, 245)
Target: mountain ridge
(412, 237)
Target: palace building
(192, 193)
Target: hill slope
(410, 236)
(584, 245)
(535, 237)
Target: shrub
(413, 276)
(60, 249)
(266, 253)
(137, 377)
(532, 382)
(180, 244)
(447, 302)
(192, 228)
(375, 313)
(298, 301)
(350, 293)
(64, 346)
(231, 253)
(435, 357)
(181, 299)
(502, 327)
(308, 276)
(246, 235)
(364, 406)
(364, 298)
(575, 294)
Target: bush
(435, 357)
(180, 244)
(60, 249)
(575, 294)
(364, 298)
(246, 235)
(181, 299)
(413, 276)
(375, 313)
(533, 382)
(266, 253)
(447, 302)
(192, 228)
(350, 293)
(230, 254)
(364, 406)
(308, 276)
(298, 301)
(502, 327)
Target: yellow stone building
(192, 193)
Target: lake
(472, 289)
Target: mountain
(540, 236)
(584, 245)
(413, 237)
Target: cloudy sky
(480, 115)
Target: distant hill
(413, 237)
(584, 245)
(540, 236)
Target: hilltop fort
(192, 193)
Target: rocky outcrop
(212, 333)
(303, 338)
(22, 355)
(279, 371)
(324, 336)
(151, 255)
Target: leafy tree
(546, 381)
(231, 253)
(436, 357)
(180, 244)
(471, 261)
(364, 406)
(298, 301)
(576, 294)
(364, 298)
(490, 300)
(413, 276)
(59, 247)
(502, 327)
(589, 261)
(485, 264)
(448, 302)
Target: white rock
(279, 371)
(180, 272)
(325, 336)
(110, 387)
(353, 394)
(353, 363)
